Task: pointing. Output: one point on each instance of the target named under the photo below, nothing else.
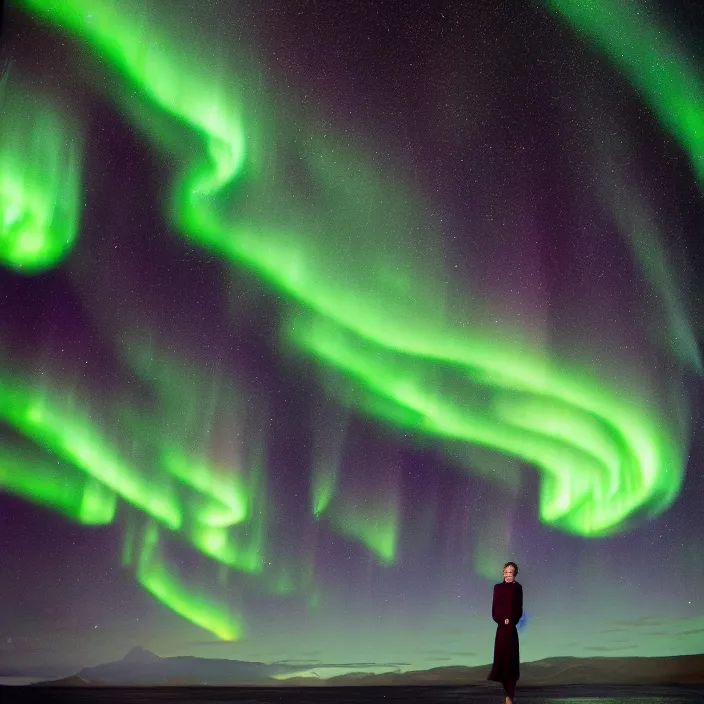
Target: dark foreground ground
(350, 695)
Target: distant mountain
(142, 668)
(560, 671)
(73, 681)
(141, 655)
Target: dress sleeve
(495, 607)
(517, 606)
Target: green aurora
(40, 180)
(388, 337)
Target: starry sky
(313, 314)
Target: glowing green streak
(654, 62)
(153, 574)
(244, 553)
(39, 181)
(232, 503)
(98, 503)
(58, 487)
(323, 489)
(61, 428)
(190, 403)
(129, 538)
(227, 511)
(637, 223)
(603, 457)
(367, 514)
(114, 29)
(329, 448)
(376, 529)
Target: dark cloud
(693, 632)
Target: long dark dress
(507, 604)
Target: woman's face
(509, 573)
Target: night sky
(313, 314)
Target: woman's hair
(515, 567)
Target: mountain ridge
(138, 654)
(141, 667)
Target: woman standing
(506, 610)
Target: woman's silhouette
(506, 610)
